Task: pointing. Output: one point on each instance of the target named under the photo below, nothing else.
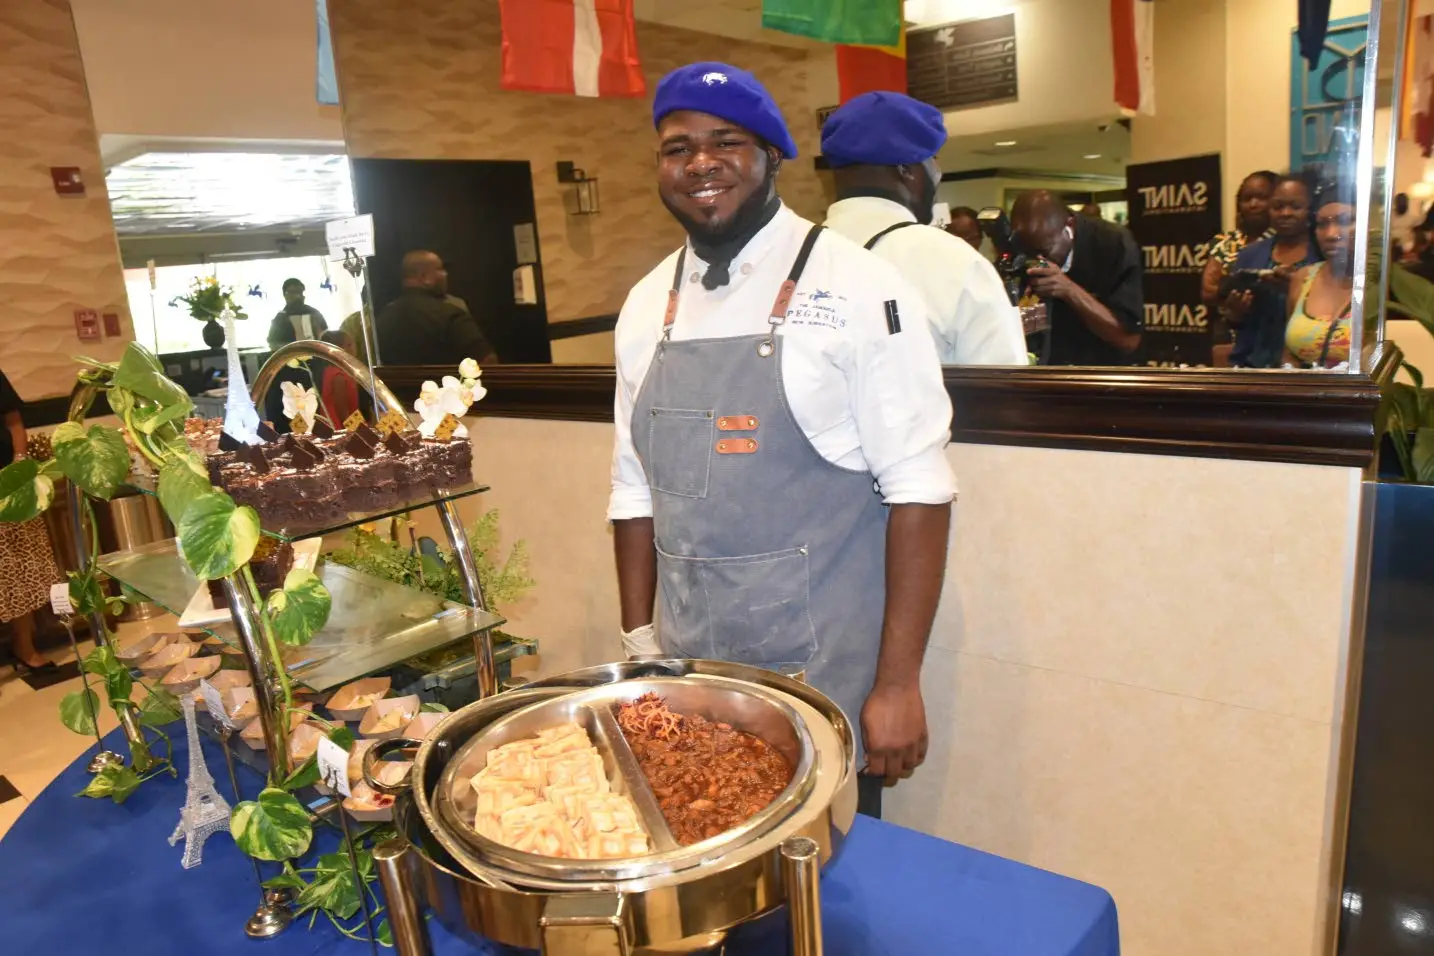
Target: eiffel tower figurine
(205, 812)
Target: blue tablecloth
(81, 876)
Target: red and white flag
(584, 47)
(1132, 33)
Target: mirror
(544, 213)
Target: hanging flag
(1132, 32)
(328, 83)
(585, 47)
(866, 69)
(864, 22)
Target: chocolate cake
(270, 564)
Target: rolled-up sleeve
(903, 413)
(631, 497)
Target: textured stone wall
(57, 254)
(427, 87)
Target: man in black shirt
(422, 326)
(1090, 276)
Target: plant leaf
(118, 684)
(273, 827)
(159, 708)
(116, 782)
(96, 460)
(290, 881)
(300, 608)
(344, 737)
(79, 710)
(24, 491)
(217, 537)
(85, 593)
(140, 372)
(180, 485)
(148, 419)
(384, 934)
(335, 888)
(433, 707)
(1423, 456)
(306, 775)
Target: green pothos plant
(217, 539)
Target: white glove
(641, 642)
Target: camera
(1011, 259)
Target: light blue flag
(328, 83)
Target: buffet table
(86, 876)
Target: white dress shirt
(972, 317)
(867, 399)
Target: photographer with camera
(1255, 296)
(1089, 273)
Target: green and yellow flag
(864, 22)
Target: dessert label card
(214, 702)
(353, 421)
(334, 766)
(60, 600)
(446, 427)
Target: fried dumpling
(600, 846)
(519, 766)
(538, 829)
(496, 797)
(581, 768)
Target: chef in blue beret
(882, 147)
(780, 489)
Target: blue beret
(725, 91)
(883, 129)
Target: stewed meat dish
(708, 777)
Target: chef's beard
(720, 242)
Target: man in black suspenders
(883, 148)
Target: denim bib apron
(767, 553)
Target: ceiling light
(1092, 156)
(1006, 142)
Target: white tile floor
(34, 745)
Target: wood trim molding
(1307, 418)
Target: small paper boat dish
(304, 740)
(351, 701)
(253, 732)
(132, 648)
(229, 678)
(369, 806)
(185, 676)
(387, 718)
(239, 703)
(421, 726)
(162, 661)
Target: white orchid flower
(469, 369)
(299, 401)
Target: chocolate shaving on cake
(323, 429)
(303, 459)
(366, 432)
(266, 432)
(254, 456)
(307, 444)
(399, 444)
(359, 447)
(353, 421)
(228, 442)
(446, 427)
(290, 442)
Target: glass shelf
(374, 624)
(422, 498)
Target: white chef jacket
(867, 399)
(972, 317)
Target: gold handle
(801, 874)
(381, 751)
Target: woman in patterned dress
(1252, 223)
(27, 565)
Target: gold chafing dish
(673, 900)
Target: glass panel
(422, 499)
(374, 623)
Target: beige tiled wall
(57, 253)
(1135, 676)
(427, 87)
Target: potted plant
(207, 301)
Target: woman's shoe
(43, 670)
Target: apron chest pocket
(679, 446)
(749, 610)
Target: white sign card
(214, 701)
(525, 239)
(334, 766)
(345, 234)
(60, 600)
